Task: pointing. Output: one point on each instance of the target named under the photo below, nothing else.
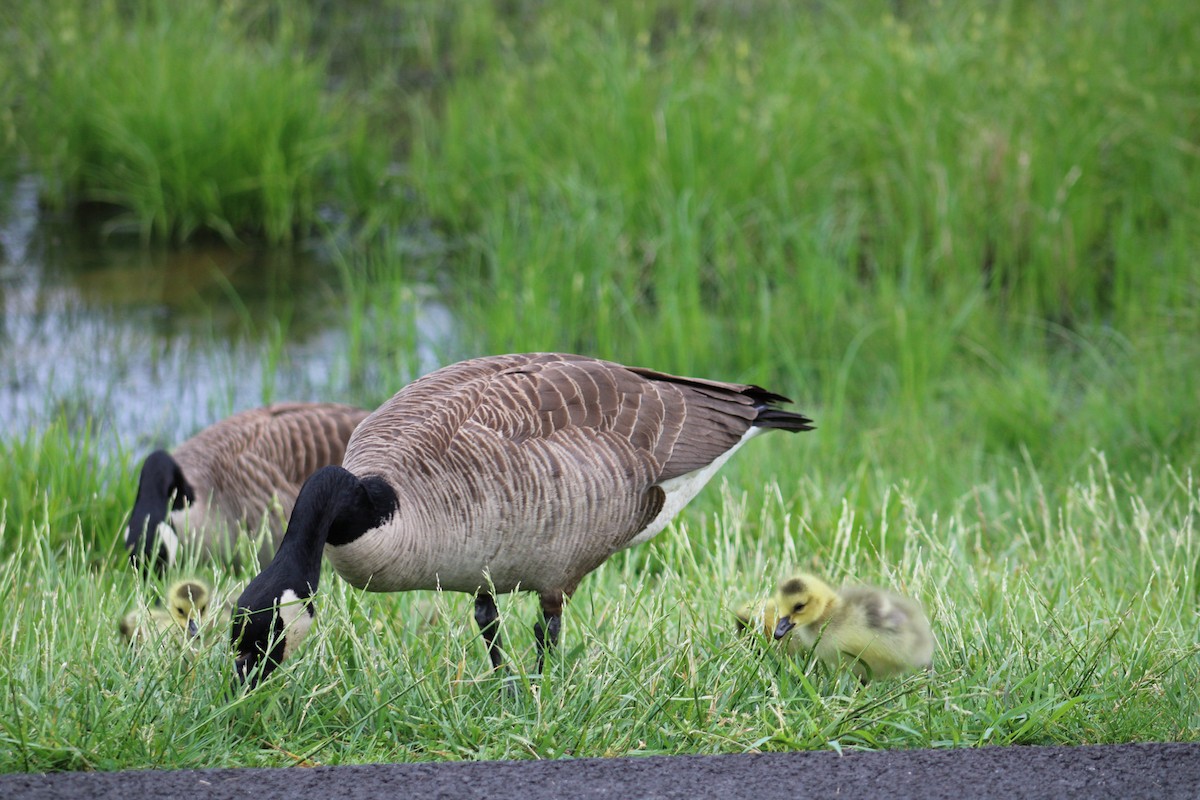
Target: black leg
(487, 617)
(546, 635)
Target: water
(149, 345)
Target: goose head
(801, 600)
(276, 610)
(267, 630)
(162, 488)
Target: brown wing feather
(300, 438)
(532, 468)
(257, 485)
(244, 458)
(682, 424)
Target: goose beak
(192, 628)
(782, 628)
(161, 562)
(241, 672)
(155, 551)
(250, 670)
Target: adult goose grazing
(232, 475)
(497, 474)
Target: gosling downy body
(185, 611)
(879, 633)
(230, 476)
(496, 474)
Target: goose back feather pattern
(250, 466)
(529, 471)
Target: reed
(1033, 154)
(181, 121)
(967, 234)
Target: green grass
(842, 151)
(182, 121)
(65, 479)
(1065, 624)
(963, 240)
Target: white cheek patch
(297, 619)
(169, 539)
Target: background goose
(498, 473)
(232, 474)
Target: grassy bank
(964, 241)
(1081, 628)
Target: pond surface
(151, 344)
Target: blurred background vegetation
(962, 236)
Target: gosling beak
(782, 628)
(192, 628)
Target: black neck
(334, 507)
(160, 484)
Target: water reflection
(153, 344)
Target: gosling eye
(797, 608)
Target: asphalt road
(1117, 771)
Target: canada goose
(497, 474)
(232, 474)
(187, 602)
(879, 632)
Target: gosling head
(162, 488)
(801, 600)
(186, 602)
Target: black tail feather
(783, 420)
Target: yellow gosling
(186, 604)
(879, 633)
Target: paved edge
(1092, 771)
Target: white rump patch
(169, 539)
(297, 620)
(680, 490)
